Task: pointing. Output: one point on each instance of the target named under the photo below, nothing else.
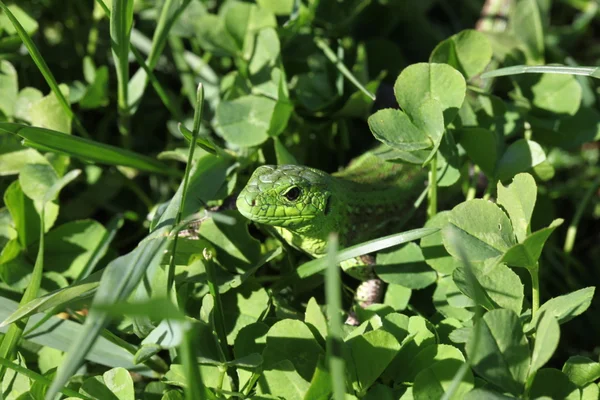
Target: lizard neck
(357, 212)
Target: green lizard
(304, 205)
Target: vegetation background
(111, 91)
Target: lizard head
(288, 196)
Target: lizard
(304, 205)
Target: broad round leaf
(468, 51)
(554, 384)
(405, 266)
(422, 81)
(245, 121)
(479, 229)
(500, 353)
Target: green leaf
(566, 307)
(118, 281)
(406, 133)
(41, 64)
(121, 22)
(315, 318)
(526, 24)
(266, 54)
(420, 335)
(283, 381)
(369, 355)
(243, 21)
(526, 254)
(590, 392)
(9, 88)
(405, 266)
(420, 82)
(520, 156)
(57, 186)
(581, 370)
(277, 7)
(554, 384)
(157, 309)
(486, 393)
(25, 216)
(481, 229)
(36, 180)
(213, 37)
(547, 335)
(27, 97)
(320, 385)
(29, 24)
(317, 265)
(235, 247)
(58, 334)
(48, 113)
(282, 153)
(436, 380)
(397, 296)
(245, 121)
(18, 385)
(502, 353)
(85, 149)
(518, 199)
(481, 146)
(96, 94)
(430, 355)
(243, 306)
(304, 353)
(432, 246)
(558, 94)
(468, 51)
(51, 300)
(496, 285)
(119, 381)
(445, 289)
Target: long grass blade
(121, 22)
(319, 264)
(333, 297)
(593, 72)
(331, 56)
(43, 67)
(86, 149)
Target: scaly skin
(304, 204)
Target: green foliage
(116, 259)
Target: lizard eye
(292, 194)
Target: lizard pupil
(292, 194)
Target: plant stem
(534, 271)
(331, 56)
(333, 298)
(432, 195)
(572, 230)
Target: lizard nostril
(253, 203)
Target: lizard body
(304, 205)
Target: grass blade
(333, 296)
(118, 281)
(58, 333)
(85, 149)
(121, 22)
(43, 67)
(593, 72)
(341, 67)
(319, 264)
(15, 331)
(170, 11)
(39, 378)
